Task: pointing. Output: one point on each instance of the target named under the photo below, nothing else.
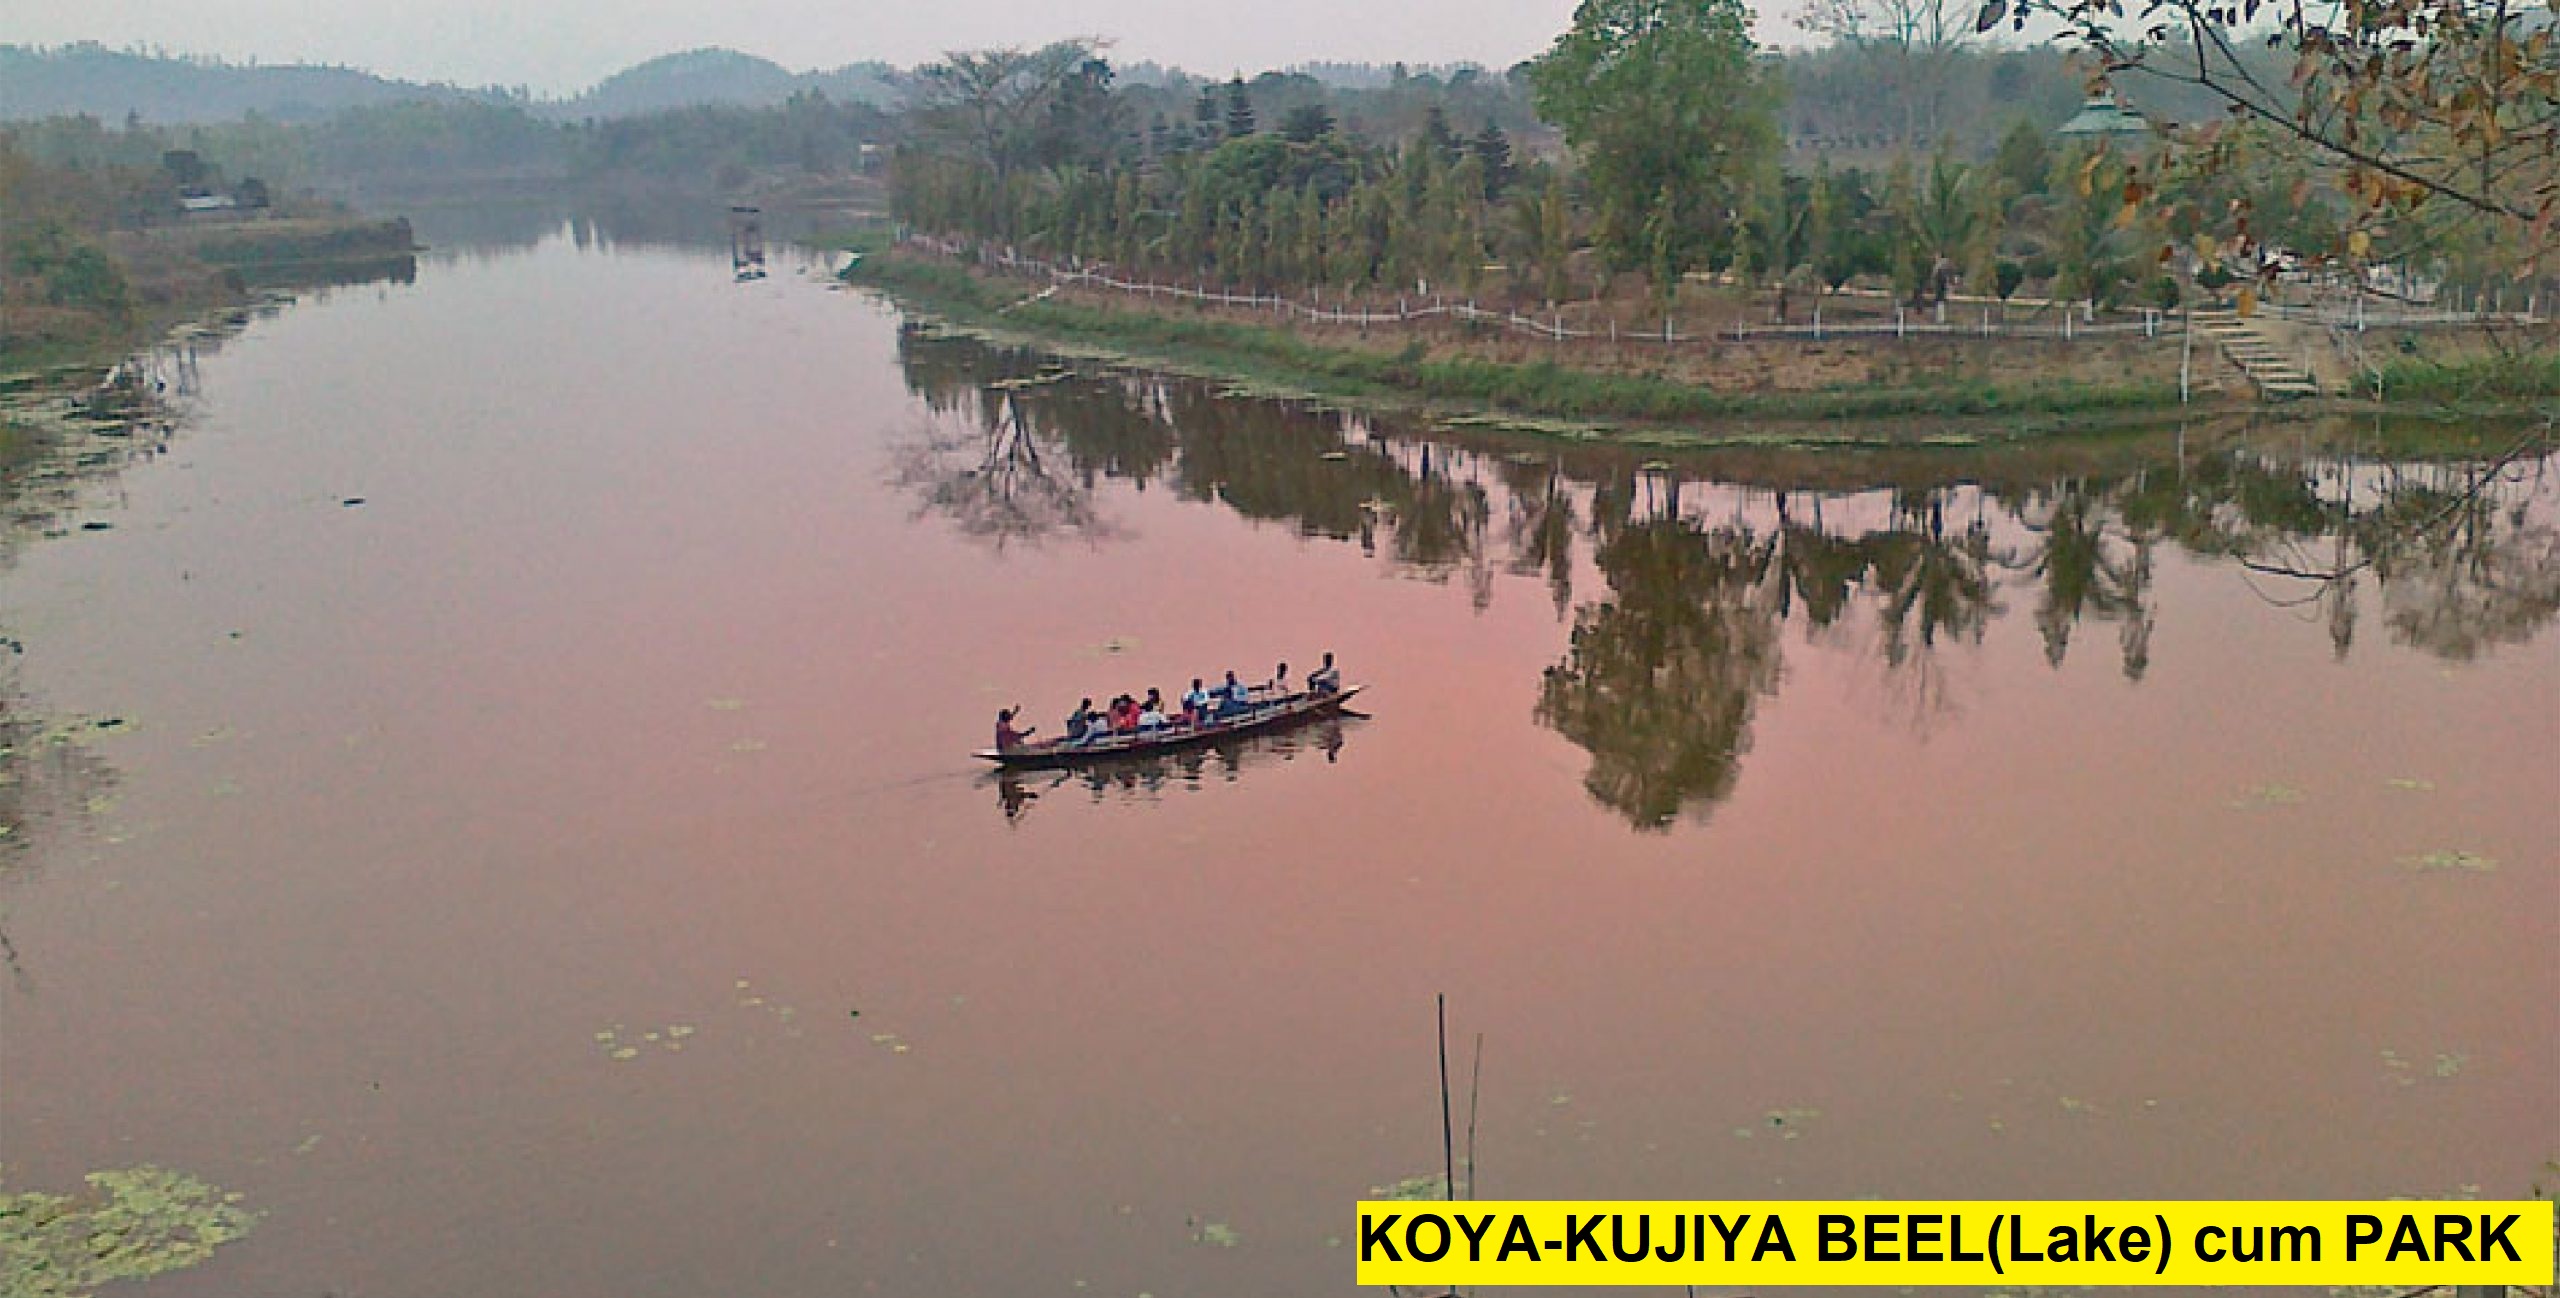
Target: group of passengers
(1201, 705)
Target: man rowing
(1009, 739)
(1326, 679)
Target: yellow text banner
(2398, 1242)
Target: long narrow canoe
(1262, 718)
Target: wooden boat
(1261, 718)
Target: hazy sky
(562, 46)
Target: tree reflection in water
(1662, 678)
(1687, 582)
(994, 483)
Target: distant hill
(109, 84)
(718, 76)
(95, 81)
(684, 80)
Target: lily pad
(1413, 1188)
(129, 1225)
(2268, 795)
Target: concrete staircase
(2264, 350)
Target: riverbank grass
(2497, 379)
(1284, 360)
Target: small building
(2104, 117)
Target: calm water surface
(1945, 828)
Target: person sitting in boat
(1235, 697)
(1083, 723)
(1326, 679)
(1007, 738)
(1195, 704)
(1124, 715)
(1277, 688)
(1151, 716)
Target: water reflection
(1663, 675)
(1677, 579)
(1189, 770)
(487, 227)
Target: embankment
(1891, 389)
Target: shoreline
(201, 278)
(1465, 388)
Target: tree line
(1675, 129)
(1675, 166)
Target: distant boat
(1261, 718)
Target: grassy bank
(1284, 360)
(2485, 380)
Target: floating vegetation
(623, 1049)
(784, 1014)
(1413, 1188)
(1216, 1234)
(2267, 795)
(2400, 1070)
(129, 1225)
(62, 732)
(2073, 1104)
(2413, 786)
(2447, 860)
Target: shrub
(85, 277)
(2007, 277)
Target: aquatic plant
(130, 1224)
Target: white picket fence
(1951, 323)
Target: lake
(495, 794)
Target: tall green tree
(1662, 101)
